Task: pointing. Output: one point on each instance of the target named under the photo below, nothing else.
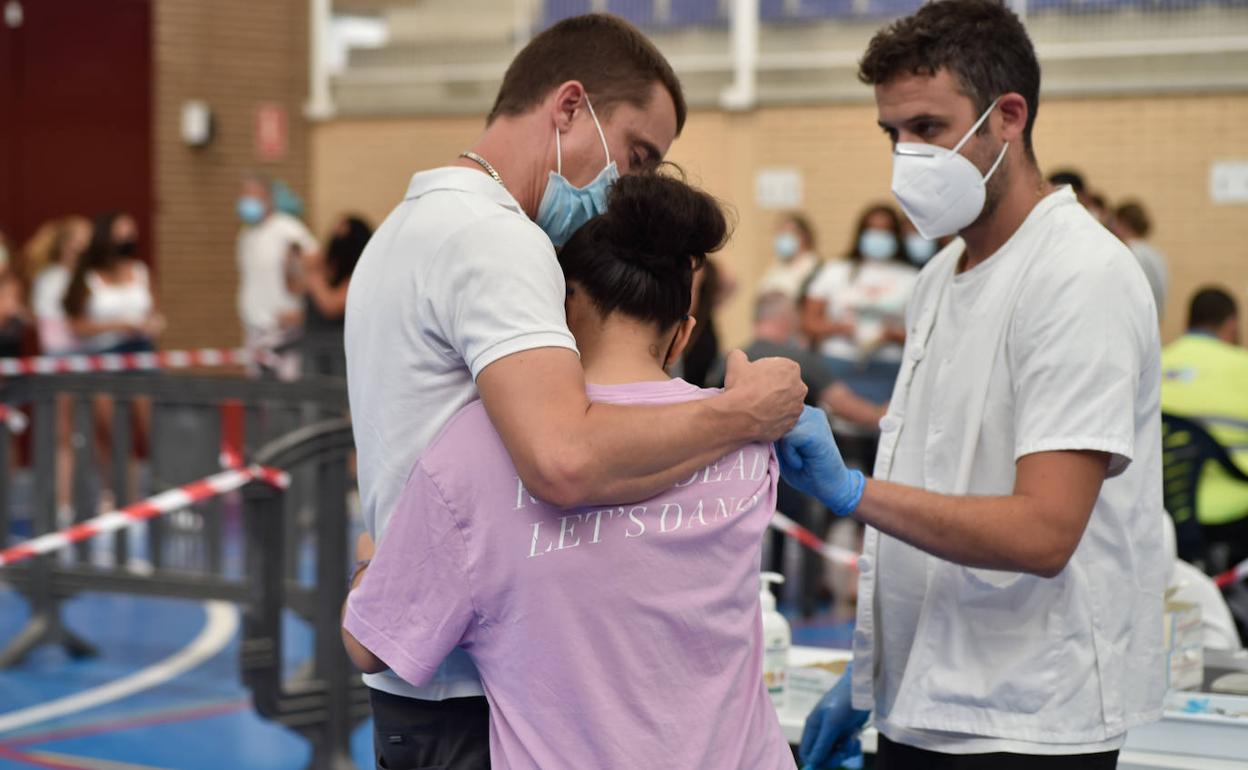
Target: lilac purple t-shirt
(606, 637)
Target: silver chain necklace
(485, 164)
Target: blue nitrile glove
(830, 737)
(848, 756)
(811, 463)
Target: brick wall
(1155, 148)
(235, 55)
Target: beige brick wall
(1155, 148)
(236, 55)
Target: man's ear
(1013, 110)
(684, 332)
(1229, 331)
(569, 99)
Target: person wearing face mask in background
(111, 309)
(919, 250)
(109, 301)
(796, 259)
(459, 296)
(271, 245)
(854, 307)
(1010, 589)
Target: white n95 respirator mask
(940, 190)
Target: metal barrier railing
(184, 555)
(327, 698)
(294, 557)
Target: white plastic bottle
(777, 637)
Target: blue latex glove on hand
(811, 463)
(830, 737)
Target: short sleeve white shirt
(263, 249)
(1051, 344)
(788, 278)
(871, 294)
(456, 278)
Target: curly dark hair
(982, 43)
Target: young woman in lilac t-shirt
(612, 636)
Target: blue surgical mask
(566, 207)
(251, 209)
(877, 245)
(786, 246)
(919, 249)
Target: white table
(1180, 741)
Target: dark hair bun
(663, 222)
(639, 256)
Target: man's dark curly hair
(981, 42)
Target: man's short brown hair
(610, 57)
(981, 42)
(1133, 215)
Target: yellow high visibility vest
(1206, 379)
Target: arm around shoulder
(571, 452)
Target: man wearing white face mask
(1009, 610)
(459, 296)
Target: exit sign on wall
(1228, 181)
(271, 132)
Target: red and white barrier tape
(202, 358)
(166, 502)
(833, 553)
(129, 362)
(1233, 575)
(14, 419)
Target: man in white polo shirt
(1010, 592)
(459, 296)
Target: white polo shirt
(456, 277)
(1050, 344)
(263, 249)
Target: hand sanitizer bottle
(776, 641)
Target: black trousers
(411, 734)
(898, 756)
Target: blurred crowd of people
(78, 286)
(291, 290)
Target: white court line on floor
(219, 628)
(87, 763)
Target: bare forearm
(1002, 532)
(571, 452)
(821, 328)
(360, 655)
(84, 328)
(330, 301)
(629, 459)
(847, 405)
